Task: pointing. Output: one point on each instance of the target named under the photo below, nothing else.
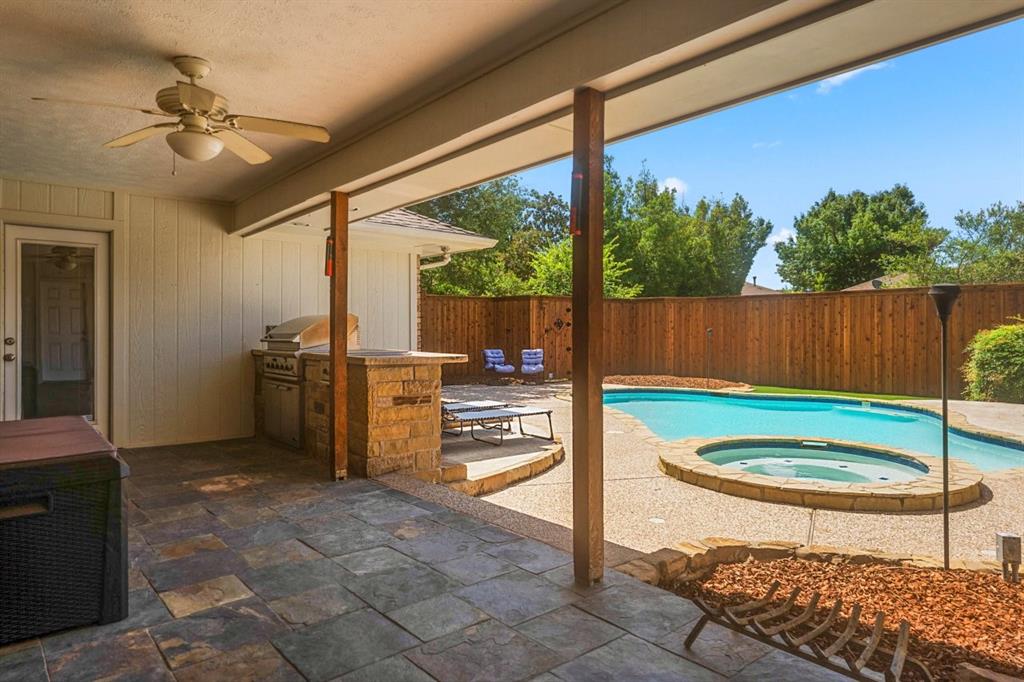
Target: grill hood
(307, 331)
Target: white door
(63, 337)
(56, 345)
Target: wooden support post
(587, 336)
(338, 459)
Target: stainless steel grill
(282, 371)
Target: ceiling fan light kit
(194, 146)
(204, 127)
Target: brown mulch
(669, 381)
(955, 616)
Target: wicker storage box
(63, 540)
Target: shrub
(995, 369)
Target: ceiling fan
(64, 258)
(204, 126)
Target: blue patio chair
(494, 359)
(533, 361)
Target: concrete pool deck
(646, 510)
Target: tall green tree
(845, 239)
(987, 246)
(552, 271)
(523, 221)
(676, 250)
(661, 247)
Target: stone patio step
(488, 475)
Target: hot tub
(840, 475)
(815, 460)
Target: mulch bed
(669, 381)
(955, 616)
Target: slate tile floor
(275, 575)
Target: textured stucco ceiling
(347, 65)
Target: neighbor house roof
(751, 289)
(883, 282)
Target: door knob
(8, 357)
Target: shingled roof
(403, 218)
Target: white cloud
(676, 184)
(767, 145)
(829, 84)
(781, 236)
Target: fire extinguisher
(329, 258)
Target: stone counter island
(394, 410)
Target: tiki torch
(944, 296)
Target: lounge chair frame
(500, 420)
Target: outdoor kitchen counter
(394, 409)
(390, 357)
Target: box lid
(37, 441)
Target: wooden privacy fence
(884, 341)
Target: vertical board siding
(198, 301)
(41, 197)
(141, 315)
(883, 341)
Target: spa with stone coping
(683, 460)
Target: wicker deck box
(63, 540)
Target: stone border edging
(694, 559)
(682, 460)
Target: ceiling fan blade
(199, 99)
(242, 147)
(139, 135)
(58, 100)
(303, 131)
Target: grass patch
(838, 394)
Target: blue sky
(947, 121)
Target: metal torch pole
(945, 451)
(944, 296)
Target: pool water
(832, 463)
(675, 415)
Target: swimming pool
(672, 415)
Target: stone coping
(682, 460)
(693, 559)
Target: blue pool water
(675, 415)
(816, 460)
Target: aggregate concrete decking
(245, 566)
(646, 510)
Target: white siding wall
(195, 300)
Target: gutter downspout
(445, 259)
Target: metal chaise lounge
(500, 419)
(451, 408)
